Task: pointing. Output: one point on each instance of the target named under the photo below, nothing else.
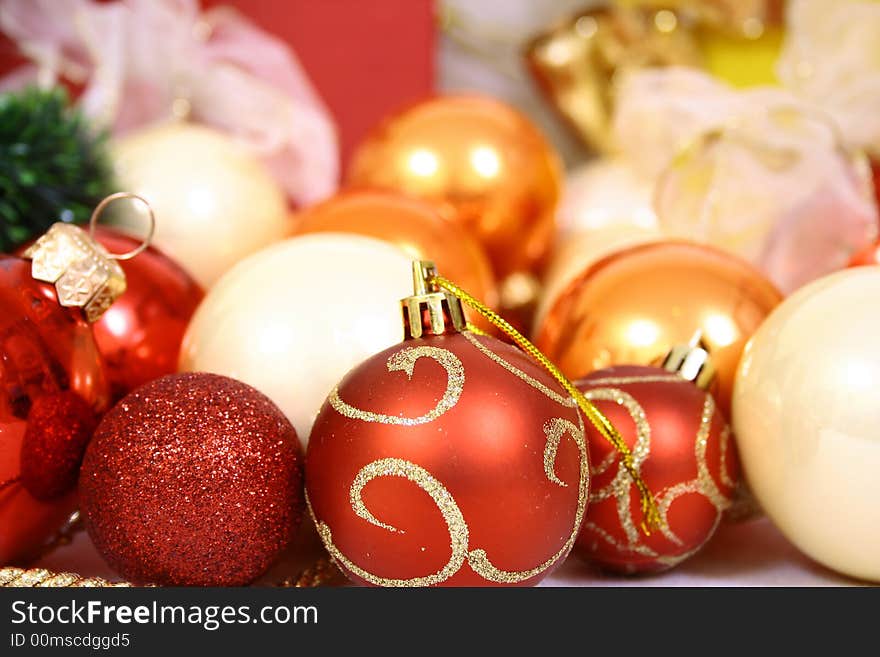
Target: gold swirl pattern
(404, 361)
(478, 560)
(537, 385)
(624, 380)
(617, 545)
(673, 560)
(704, 477)
(458, 529)
(620, 485)
(555, 429)
(703, 484)
(606, 463)
(725, 444)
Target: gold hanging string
(603, 425)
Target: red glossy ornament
(52, 384)
(684, 452)
(192, 480)
(451, 460)
(140, 334)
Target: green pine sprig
(53, 165)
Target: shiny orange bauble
(485, 158)
(634, 305)
(419, 228)
(450, 460)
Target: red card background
(366, 57)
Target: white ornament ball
(293, 319)
(807, 419)
(214, 202)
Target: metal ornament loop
(99, 210)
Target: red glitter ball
(59, 427)
(193, 479)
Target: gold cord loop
(99, 210)
(594, 415)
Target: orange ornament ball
(482, 156)
(419, 228)
(631, 307)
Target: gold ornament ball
(578, 253)
(634, 305)
(482, 156)
(293, 319)
(214, 202)
(606, 206)
(807, 421)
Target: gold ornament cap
(84, 273)
(692, 362)
(430, 310)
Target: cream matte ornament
(292, 319)
(806, 418)
(215, 202)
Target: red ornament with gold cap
(139, 337)
(683, 450)
(52, 381)
(450, 459)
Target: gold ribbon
(652, 518)
(40, 577)
(322, 573)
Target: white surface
(745, 554)
(753, 553)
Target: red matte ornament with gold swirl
(451, 459)
(683, 449)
